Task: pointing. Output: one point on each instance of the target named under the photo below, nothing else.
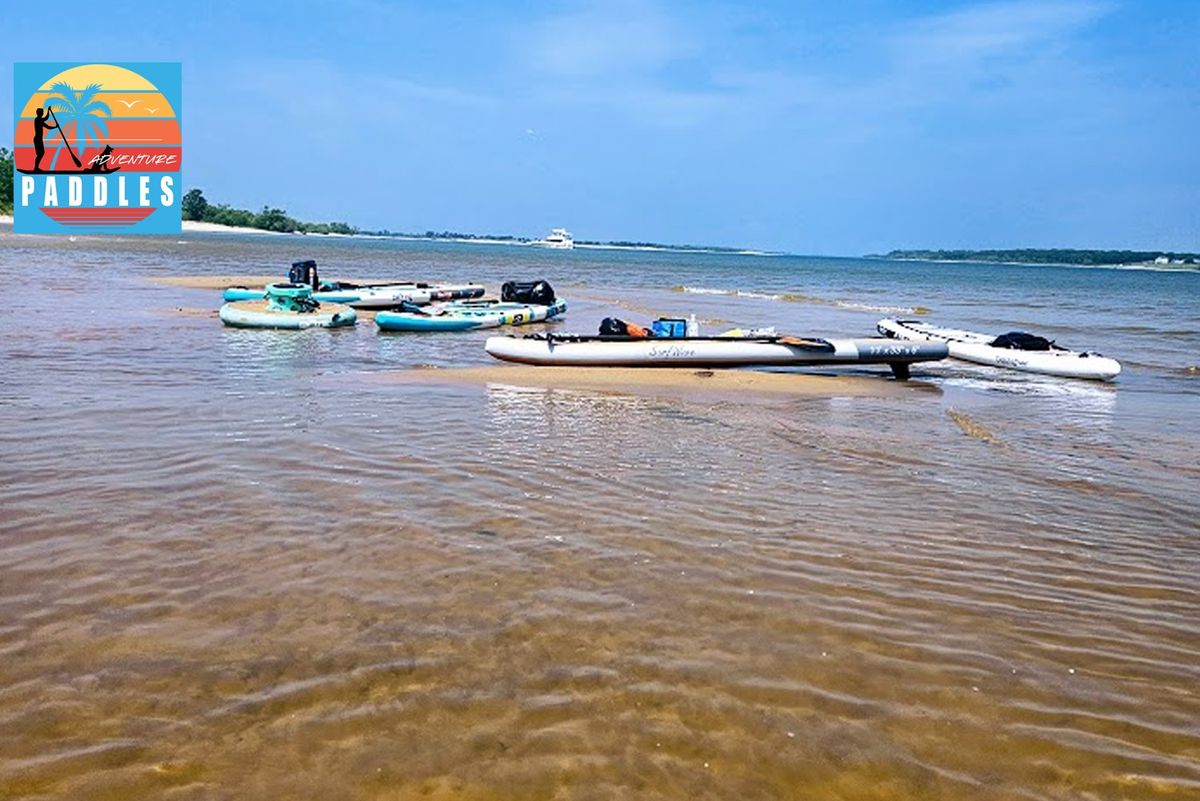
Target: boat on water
(289, 306)
(468, 315)
(719, 351)
(558, 239)
(1015, 350)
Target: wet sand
(652, 380)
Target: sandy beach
(191, 226)
(197, 226)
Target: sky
(810, 127)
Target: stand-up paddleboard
(468, 316)
(1006, 350)
(622, 351)
(373, 296)
(286, 306)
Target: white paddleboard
(603, 351)
(975, 347)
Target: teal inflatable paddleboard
(468, 316)
(286, 306)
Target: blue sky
(810, 127)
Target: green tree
(274, 220)
(80, 110)
(6, 181)
(227, 215)
(194, 205)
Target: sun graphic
(97, 118)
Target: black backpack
(1019, 340)
(304, 272)
(538, 293)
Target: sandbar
(653, 380)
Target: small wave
(739, 293)
(919, 310)
(787, 297)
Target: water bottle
(693, 327)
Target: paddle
(808, 344)
(74, 158)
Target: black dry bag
(538, 293)
(1019, 340)
(612, 327)
(303, 272)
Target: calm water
(239, 564)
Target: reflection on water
(1083, 402)
(233, 564)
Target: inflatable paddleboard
(286, 306)
(980, 349)
(373, 296)
(622, 351)
(468, 316)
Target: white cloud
(604, 41)
(978, 32)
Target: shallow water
(241, 564)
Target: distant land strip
(1090, 258)
(196, 207)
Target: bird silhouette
(152, 110)
(130, 103)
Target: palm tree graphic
(79, 110)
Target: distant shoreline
(579, 245)
(930, 257)
(217, 228)
(1053, 257)
(1148, 266)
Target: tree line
(196, 207)
(6, 181)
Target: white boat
(558, 238)
(622, 351)
(980, 349)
